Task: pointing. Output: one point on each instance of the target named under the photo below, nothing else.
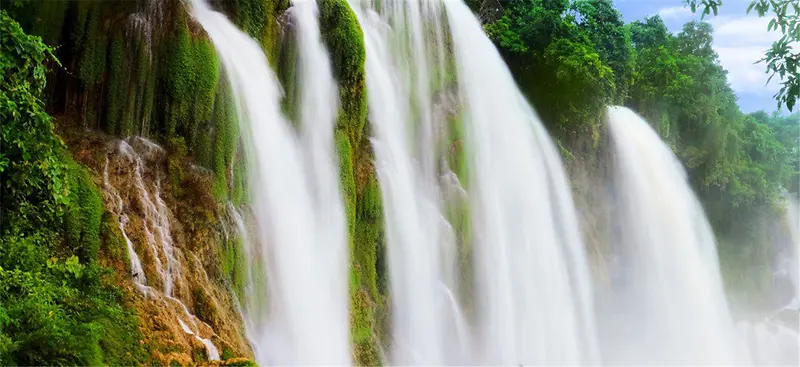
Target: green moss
(347, 178)
(84, 213)
(114, 246)
(252, 16)
(287, 73)
(92, 63)
(232, 264)
(243, 363)
(201, 306)
(192, 80)
(238, 192)
(127, 125)
(345, 41)
(205, 68)
(456, 154)
(227, 353)
(180, 59)
(178, 76)
(149, 93)
(176, 146)
(258, 19)
(92, 43)
(226, 129)
(369, 227)
(362, 311)
(117, 93)
(362, 324)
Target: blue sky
(739, 39)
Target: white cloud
(675, 12)
(740, 43)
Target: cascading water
(303, 257)
(156, 226)
(133, 152)
(318, 107)
(250, 296)
(670, 305)
(789, 258)
(774, 338)
(399, 64)
(137, 272)
(533, 292)
(533, 300)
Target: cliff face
(177, 238)
(141, 101)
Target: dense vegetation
(573, 58)
(163, 80)
(57, 305)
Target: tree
(606, 29)
(549, 47)
(782, 59)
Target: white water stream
(156, 224)
(535, 304)
(295, 199)
(673, 301)
(399, 65)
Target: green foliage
(560, 54)
(783, 59)
(607, 31)
(33, 187)
(56, 307)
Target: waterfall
(118, 209)
(672, 298)
(318, 108)
(534, 299)
(303, 256)
(400, 62)
(774, 339)
(156, 214)
(251, 298)
(791, 263)
(134, 153)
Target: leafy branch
(782, 59)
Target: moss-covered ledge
(344, 39)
